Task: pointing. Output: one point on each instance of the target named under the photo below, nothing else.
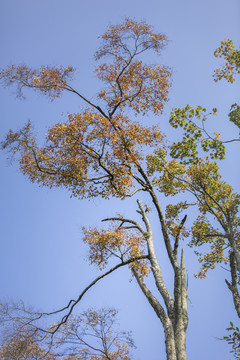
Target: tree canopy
(115, 148)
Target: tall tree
(217, 226)
(101, 152)
(215, 196)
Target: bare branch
(123, 220)
(72, 303)
(178, 234)
(69, 88)
(135, 191)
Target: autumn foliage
(92, 335)
(96, 152)
(103, 151)
(116, 243)
(89, 155)
(231, 56)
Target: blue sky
(42, 260)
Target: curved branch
(135, 223)
(135, 191)
(72, 303)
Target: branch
(216, 235)
(178, 234)
(157, 307)
(135, 191)
(135, 223)
(69, 88)
(140, 181)
(45, 171)
(202, 192)
(156, 269)
(184, 294)
(212, 198)
(72, 303)
(210, 137)
(229, 141)
(149, 188)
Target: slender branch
(69, 88)
(229, 141)
(128, 227)
(123, 220)
(46, 171)
(193, 192)
(210, 137)
(96, 179)
(127, 98)
(212, 198)
(72, 303)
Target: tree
(20, 340)
(91, 336)
(94, 335)
(100, 152)
(218, 224)
(219, 198)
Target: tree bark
(233, 286)
(174, 331)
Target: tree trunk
(175, 333)
(233, 286)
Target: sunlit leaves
(115, 242)
(172, 215)
(156, 161)
(89, 155)
(139, 36)
(232, 61)
(218, 205)
(211, 258)
(96, 153)
(233, 339)
(129, 81)
(234, 115)
(216, 202)
(51, 81)
(170, 183)
(24, 344)
(194, 136)
(168, 176)
(140, 87)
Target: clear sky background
(42, 259)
